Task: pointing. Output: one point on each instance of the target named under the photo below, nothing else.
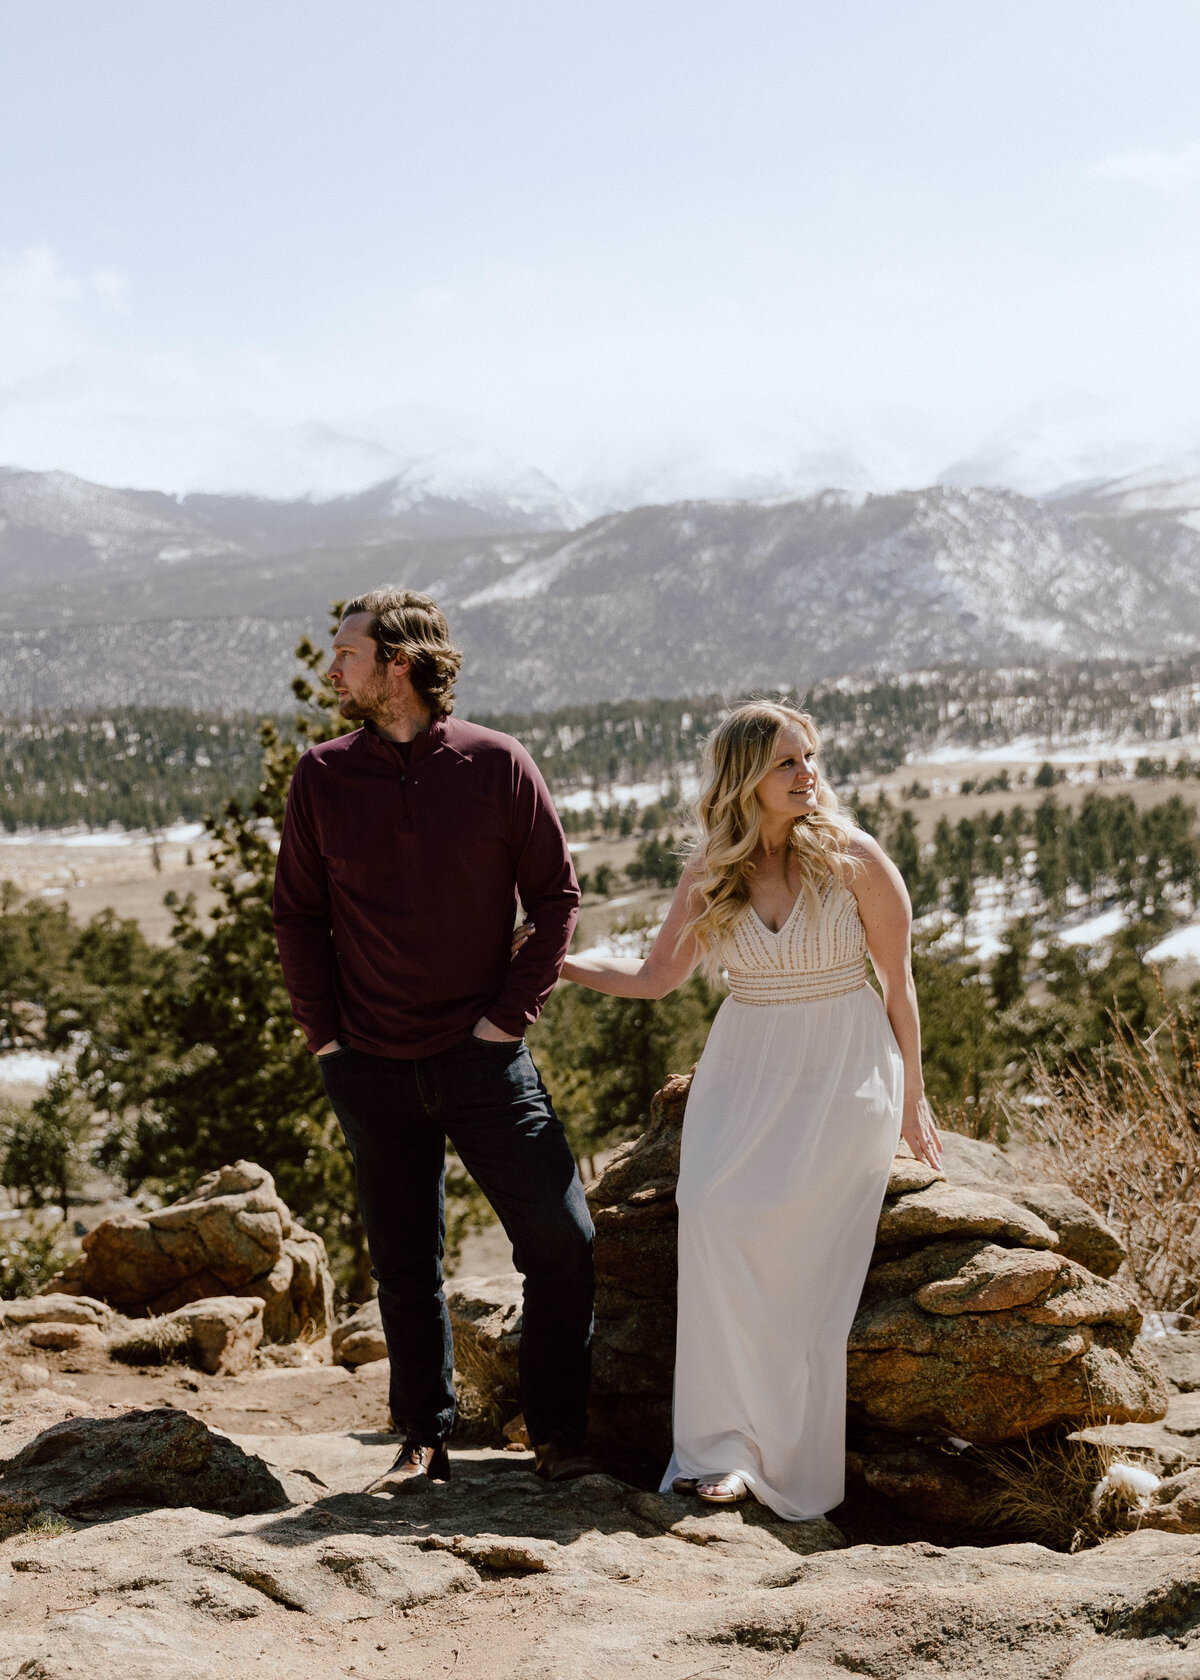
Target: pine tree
(228, 1072)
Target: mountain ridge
(667, 599)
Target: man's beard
(372, 705)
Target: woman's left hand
(520, 935)
(919, 1132)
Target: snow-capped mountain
(54, 526)
(1170, 487)
(709, 597)
(682, 598)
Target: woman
(794, 1112)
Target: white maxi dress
(791, 1124)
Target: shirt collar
(422, 745)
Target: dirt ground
(91, 873)
(290, 1390)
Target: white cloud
(33, 275)
(1171, 173)
(40, 326)
(111, 286)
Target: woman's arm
(886, 914)
(670, 960)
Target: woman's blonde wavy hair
(737, 755)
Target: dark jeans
(491, 1104)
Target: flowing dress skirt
(791, 1125)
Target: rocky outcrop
(232, 1236)
(970, 1338)
(218, 1335)
(156, 1458)
(633, 1205)
(498, 1573)
(358, 1340)
(980, 1319)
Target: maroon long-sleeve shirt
(396, 889)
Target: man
(404, 849)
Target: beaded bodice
(817, 953)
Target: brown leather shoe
(555, 1461)
(415, 1462)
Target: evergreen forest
(181, 1056)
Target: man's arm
(549, 896)
(302, 920)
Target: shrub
(28, 1259)
(1122, 1129)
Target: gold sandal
(727, 1490)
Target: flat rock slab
(942, 1210)
(498, 1574)
(1179, 1356)
(1183, 1415)
(55, 1309)
(344, 1462)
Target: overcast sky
(648, 246)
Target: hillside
(693, 597)
(143, 767)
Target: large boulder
(218, 1335)
(359, 1339)
(971, 1338)
(989, 1310)
(485, 1315)
(232, 1235)
(633, 1205)
(980, 1319)
(160, 1457)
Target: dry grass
(483, 1407)
(1123, 1132)
(152, 1341)
(1045, 1492)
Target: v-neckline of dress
(773, 933)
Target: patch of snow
(179, 834)
(623, 944)
(1156, 1326)
(1096, 928)
(1028, 749)
(28, 1067)
(534, 577)
(1183, 944)
(105, 837)
(640, 794)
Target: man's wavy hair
(405, 623)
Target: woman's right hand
(920, 1134)
(520, 935)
